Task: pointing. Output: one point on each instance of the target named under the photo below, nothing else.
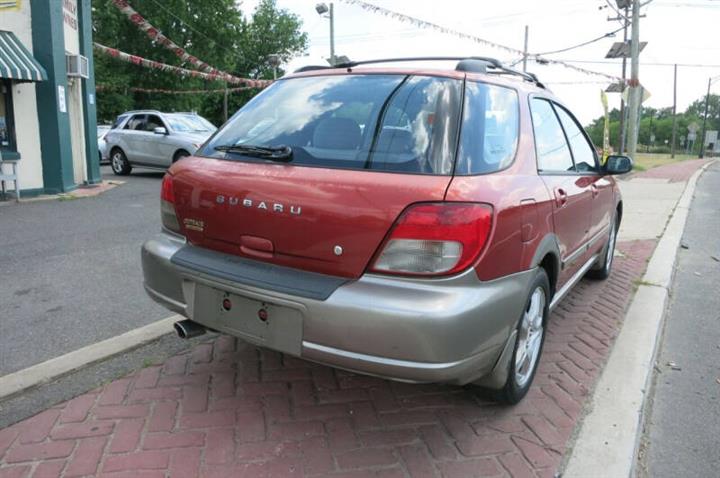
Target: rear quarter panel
(522, 207)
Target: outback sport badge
(268, 206)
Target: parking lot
(68, 270)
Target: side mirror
(160, 130)
(618, 165)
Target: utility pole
(622, 101)
(525, 50)
(332, 35)
(674, 124)
(702, 137)
(322, 9)
(635, 93)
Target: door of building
(77, 130)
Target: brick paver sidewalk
(228, 409)
(675, 172)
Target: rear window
(375, 122)
(118, 121)
(490, 129)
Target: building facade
(47, 104)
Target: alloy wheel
(117, 162)
(530, 337)
(611, 247)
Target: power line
(606, 62)
(465, 36)
(602, 37)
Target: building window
(7, 120)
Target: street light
(707, 103)
(274, 61)
(322, 9)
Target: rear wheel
(180, 155)
(603, 267)
(119, 163)
(529, 342)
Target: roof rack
(312, 68)
(475, 64)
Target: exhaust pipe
(187, 329)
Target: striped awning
(16, 62)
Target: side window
(553, 154)
(153, 121)
(118, 121)
(136, 123)
(490, 129)
(582, 151)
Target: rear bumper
(433, 330)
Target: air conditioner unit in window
(77, 66)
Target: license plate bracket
(243, 317)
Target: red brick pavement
(675, 172)
(228, 409)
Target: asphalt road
(682, 433)
(70, 271)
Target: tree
(661, 124)
(213, 30)
(697, 109)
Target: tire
(529, 342)
(602, 269)
(180, 155)
(119, 162)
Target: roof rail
(476, 64)
(312, 68)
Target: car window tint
(583, 152)
(118, 121)
(368, 122)
(489, 135)
(136, 123)
(553, 153)
(413, 131)
(153, 121)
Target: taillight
(167, 205)
(435, 239)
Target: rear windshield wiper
(277, 153)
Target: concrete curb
(52, 369)
(609, 436)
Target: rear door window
(118, 121)
(375, 122)
(136, 123)
(553, 153)
(490, 129)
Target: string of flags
(174, 92)
(184, 72)
(157, 36)
(465, 36)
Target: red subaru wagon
(413, 224)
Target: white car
(151, 139)
(102, 130)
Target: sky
(677, 31)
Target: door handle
(594, 190)
(560, 197)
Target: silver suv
(151, 139)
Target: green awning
(16, 62)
